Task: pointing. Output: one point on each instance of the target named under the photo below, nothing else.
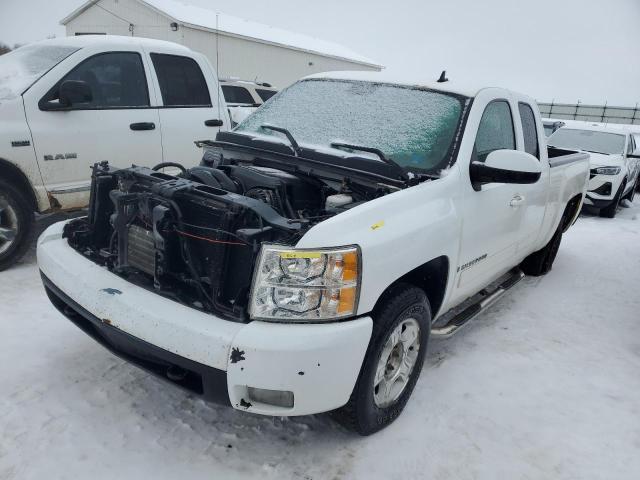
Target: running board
(456, 319)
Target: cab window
(116, 79)
(182, 83)
(495, 131)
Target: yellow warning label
(300, 254)
(377, 225)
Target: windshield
(22, 67)
(413, 127)
(589, 140)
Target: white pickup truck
(68, 103)
(304, 265)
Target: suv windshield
(22, 67)
(413, 127)
(589, 140)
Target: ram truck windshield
(22, 67)
(413, 127)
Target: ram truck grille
(141, 249)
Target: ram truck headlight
(607, 170)
(300, 285)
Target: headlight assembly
(296, 285)
(607, 170)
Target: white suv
(615, 163)
(244, 97)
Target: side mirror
(505, 166)
(72, 92)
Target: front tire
(393, 361)
(16, 224)
(611, 210)
(632, 192)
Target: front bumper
(599, 184)
(209, 356)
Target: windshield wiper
(375, 151)
(286, 133)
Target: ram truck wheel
(393, 361)
(16, 225)
(540, 262)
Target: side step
(452, 321)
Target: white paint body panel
(318, 363)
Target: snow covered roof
(598, 127)
(206, 19)
(82, 41)
(462, 87)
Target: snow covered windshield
(589, 140)
(22, 67)
(413, 127)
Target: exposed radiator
(141, 254)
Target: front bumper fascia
(596, 182)
(319, 363)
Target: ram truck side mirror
(505, 166)
(72, 92)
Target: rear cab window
(529, 129)
(182, 83)
(235, 94)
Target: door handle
(142, 126)
(213, 123)
(516, 201)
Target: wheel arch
(571, 212)
(17, 177)
(431, 277)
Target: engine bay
(195, 237)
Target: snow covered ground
(545, 385)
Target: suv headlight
(300, 285)
(607, 170)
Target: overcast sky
(566, 50)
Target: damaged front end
(196, 237)
(183, 239)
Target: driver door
(492, 214)
(117, 125)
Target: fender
(431, 277)
(16, 176)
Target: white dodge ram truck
(304, 265)
(68, 103)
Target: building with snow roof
(238, 48)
